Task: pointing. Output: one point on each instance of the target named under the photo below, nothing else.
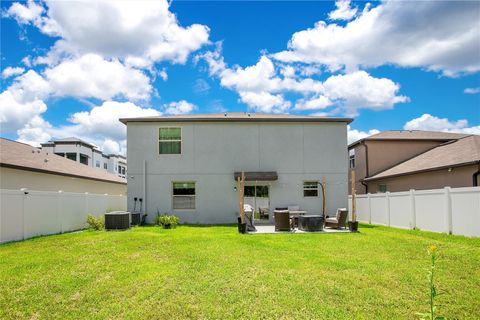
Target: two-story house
(399, 160)
(88, 154)
(187, 165)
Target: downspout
(366, 167)
(475, 175)
(144, 186)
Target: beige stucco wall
(15, 179)
(383, 155)
(458, 177)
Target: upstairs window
(83, 159)
(170, 141)
(183, 195)
(351, 158)
(310, 188)
(105, 166)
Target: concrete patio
(264, 229)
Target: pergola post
(354, 214)
(241, 190)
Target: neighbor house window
(310, 188)
(72, 156)
(105, 166)
(183, 195)
(351, 158)
(84, 159)
(97, 164)
(170, 141)
(382, 188)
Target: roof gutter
(423, 170)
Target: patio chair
(264, 213)
(248, 210)
(282, 219)
(338, 221)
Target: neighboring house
(88, 154)
(187, 165)
(24, 166)
(403, 160)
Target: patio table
(310, 223)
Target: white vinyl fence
(449, 210)
(26, 214)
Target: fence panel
(466, 206)
(400, 212)
(25, 213)
(73, 211)
(430, 208)
(448, 210)
(11, 215)
(41, 214)
(378, 205)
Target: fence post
(369, 209)
(387, 202)
(448, 210)
(413, 223)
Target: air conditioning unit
(117, 220)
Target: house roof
(412, 135)
(463, 151)
(68, 140)
(236, 117)
(23, 156)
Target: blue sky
(389, 65)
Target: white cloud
(15, 113)
(99, 126)
(22, 101)
(360, 90)
(129, 29)
(431, 123)
(265, 102)
(436, 35)
(29, 13)
(179, 107)
(92, 76)
(355, 135)
(201, 86)
(315, 103)
(12, 71)
(472, 90)
(343, 11)
(262, 87)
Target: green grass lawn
(216, 273)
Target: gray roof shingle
(463, 151)
(23, 156)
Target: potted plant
(242, 227)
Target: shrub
(167, 221)
(95, 223)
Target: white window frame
(181, 141)
(318, 188)
(194, 196)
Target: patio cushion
(334, 220)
